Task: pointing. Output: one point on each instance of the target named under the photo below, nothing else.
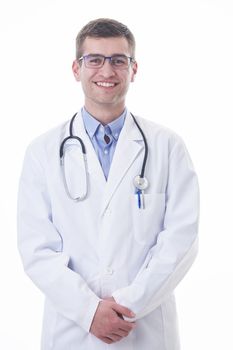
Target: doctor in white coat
(108, 264)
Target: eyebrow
(101, 54)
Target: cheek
(85, 79)
(130, 79)
(87, 84)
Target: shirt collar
(91, 124)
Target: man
(109, 259)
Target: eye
(95, 60)
(120, 61)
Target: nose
(107, 69)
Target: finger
(106, 340)
(124, 311)
(126, 326)
(115, 337)
(122, 333)
(120, 315)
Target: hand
(107, 325)
(112, 299)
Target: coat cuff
(90, 313)
(122, 297)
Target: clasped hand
(108, 324)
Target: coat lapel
(126, 152)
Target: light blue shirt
(96, 132)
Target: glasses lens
(120, 61)
(94, 61)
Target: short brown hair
(104, 28)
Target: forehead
(105, 46)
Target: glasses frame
(110, 58)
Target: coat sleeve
(40, 246)
(176, 247)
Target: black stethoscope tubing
(145, 144)
(72, 136)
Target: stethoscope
(140, 181)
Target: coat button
(109, 271)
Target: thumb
(124, 311)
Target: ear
(134, 71)
(76, 70)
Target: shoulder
(165, 141)
(159, 133)
(48, 142)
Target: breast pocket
(148, 222)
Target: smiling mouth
(105, 84)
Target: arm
(176, 247)
(40, 246)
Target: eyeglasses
(97, 61)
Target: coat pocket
(148, 222)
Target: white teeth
(105, 84)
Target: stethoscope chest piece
(141, 183)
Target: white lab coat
(78, 253)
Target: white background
(185, 81)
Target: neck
(105, 115)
